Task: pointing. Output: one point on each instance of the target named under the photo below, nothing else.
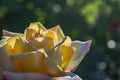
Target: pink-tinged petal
(24, 76)
(1, 76)
(68, 76)
(81, 49)
(10, 34)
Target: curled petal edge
(81, 49)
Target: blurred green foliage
(98, 20)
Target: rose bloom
(40, 54)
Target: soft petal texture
(33, 29)
(9, 34)
(41, 42)
(53, 69)
(52, 35)
(56, 51)
(16, 45)
(68, 76)
(36, 26)
(35, 61)
(5, 62)
(40, 50)
(58, 31)
(56, 55)
(67, 52)
(38, 62)
(81, 49)
(24, 76)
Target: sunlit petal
(58, 31)
(81, 49)
(38, 62)
(68, 76)
(33, 28)
(56, 51)
(43, 42)
(31, 62)
(36, 26)
(52, 35)
(67, 52)
(16, 45)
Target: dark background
(96, 20)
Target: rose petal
(16, 45)
(10, 34)
(28, 33)
(5, 62)
(67, 52)
(24, 76)
(33, 28)
(54, 69)
(31, 62)
(52, 35)
(58, 31)
(81, 49)
(68, 76)
(56, 55)
(41, 42)
(56, 51)
(38, 62)
(36, 26)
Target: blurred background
(96, 20)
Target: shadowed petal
(54, 70)
(81, 49)
(24, 76)
(5, 62)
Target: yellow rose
(41, 51)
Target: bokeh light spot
(102, 65)
(111, 44)
(56, 8)
(70, 2)
(3, 11)
(30, 6)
